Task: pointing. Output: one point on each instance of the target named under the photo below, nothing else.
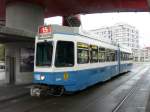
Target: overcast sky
(140, 20)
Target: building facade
(144, 54)
(122, 34)
(104, 34)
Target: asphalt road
(127, 92)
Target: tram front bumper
(54, 78)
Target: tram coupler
(43, 90)
(35, 92)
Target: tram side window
(107, 55)
(130, 56)
(126, 56)
(121, 56)
(112, 55)
(94, 54)
(82, 53)
(64, 54)
(101, 54)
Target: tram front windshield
(44, 54)
(64, 54)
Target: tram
(67, 60)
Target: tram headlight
(42, 77)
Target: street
(128, 92)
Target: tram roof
(125, 49)
(65, 30)
(57, 29)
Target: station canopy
(65, 7)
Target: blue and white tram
(66, 61)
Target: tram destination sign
(45, 32)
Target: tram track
(131, 92)
(123, 80)
(108, 89)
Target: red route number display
(45, 29)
